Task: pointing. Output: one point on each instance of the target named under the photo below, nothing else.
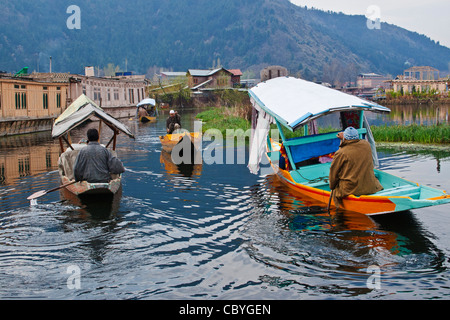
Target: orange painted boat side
(363, 204)
(169, 141)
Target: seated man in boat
(352, 170)
(142, 112)
(95, 163)
(172, 121)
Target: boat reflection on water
(96, 207)
(184, 169)
(399, 234)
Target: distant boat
(76, 114)
(150, 106)
(295, 104)
(169, 141)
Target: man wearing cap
(173, 122)
(352, 170)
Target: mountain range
(145, 35)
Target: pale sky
(430, 17)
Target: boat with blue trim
(303, 163)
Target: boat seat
(309, 147)
(412, 191)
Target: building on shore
(30, 102)
(118, 95)
(372, 81)
(219, 78)
(273, 72)
(420, 79)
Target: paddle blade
(37, 195)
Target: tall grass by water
(439, 134)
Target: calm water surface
(209, 232)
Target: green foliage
(412, 133)
(222, 119)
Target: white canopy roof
(147, 102)
(294, 102)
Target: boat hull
(147, 119)
(398, 194)
(86, 188)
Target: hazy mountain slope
(177, 34)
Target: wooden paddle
(44, 192)
(329, 201)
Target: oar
(44, 192)
(329, 201)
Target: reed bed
(438, 134)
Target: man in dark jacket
(352, 170)
(95, 163)
(173, 122)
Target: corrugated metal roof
(203, 73)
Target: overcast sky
(428, 17)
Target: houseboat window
(58, 100)
(45, 100)
(24, 100)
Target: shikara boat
(169, 141)
(150, 106)
(76, 114)
(303, 163)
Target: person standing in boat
(173, 122)
(95, 163)
(352, 169)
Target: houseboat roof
(294, 102)
(81, 110)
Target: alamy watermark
(74, 279)
(374, 281)
(74, 20)
(373, 15)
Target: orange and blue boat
(303, 163)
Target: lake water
(210, 232)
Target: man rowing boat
(352, 170)
(95, 163)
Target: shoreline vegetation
(412, 136)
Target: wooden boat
(295, 104)
(76, 114)
(153, 111)
(147, 119)
(169, 141)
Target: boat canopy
(294, 102)
(81, 110)
(147, 102)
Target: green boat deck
(316, 176)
